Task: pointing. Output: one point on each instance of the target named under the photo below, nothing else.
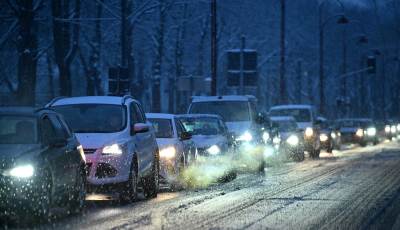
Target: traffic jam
(75, 147)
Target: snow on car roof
(282, 118)
(199, 116)
(355, 119)
(299, 106)
(160, 115)
(224, 98)
(112, 100)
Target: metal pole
(241, 83)
(213, 47)
(282, 85)
(344, 70)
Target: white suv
(119, 143)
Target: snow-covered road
(351, 189)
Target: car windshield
(18, 129)
(301, 115)
(350, 123)
(230, 111)
(285, 126)
(84, 118)
(202, 126)
(163, 127)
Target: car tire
(129, 190)
(77, 200)
(151, 185)
(261, 168)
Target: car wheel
(129, 190)
(261, 168)
(151, 185)
(77, 200)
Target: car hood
(238, 128)
(202, 141)
(164, 142)
(11, 153)
(98, 140)
(348, 130)
(304, 125)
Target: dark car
(358, 131)
(41, 164)
(329, 136)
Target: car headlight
(398, 127)
(309, 132)
(293, 140)
(214, 150)
(24, 171)
(333, 135)
(276, 140)
(114, 149)
(245, 137)
(387, 129)
(265, 136)
(168, 152)
(360, 132)
(393, 129)
(371, 131)
(323, 137)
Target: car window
(18, 129)
(136, 114)
(48, 130)
(179, 128)
(59, 129)
(67, 131)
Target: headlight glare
(265, 136)
(168, 152)
(214, 150)
(114, 149)
(333, 135)
(323, 137)
(24, 171)
(387, 129)
(246, 137)
(371, 131)
(293, 140)
(360, 132)
(393, 129)
(309, 132)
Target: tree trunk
(27, 49)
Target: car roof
(356, 119)
(224, 98)
(160, 115)
(282, 118)
(294, 106)
(199, 116)
(111, 100)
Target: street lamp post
(322, 24)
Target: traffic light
(371, 64)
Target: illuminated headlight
(114, 149)
(333, 135)
(323, 137)
(398, 127)
(393, 129)
(371, 131)
(214, 150)
(276, 140)
(24, 171)
(309, 132)
(245, 137)
(265, 136)
(387, 129)
(360, 132)
(293, 140)
(168, 152)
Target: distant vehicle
(306, 118)
(42, 164)
(239, 113)
(177, 150)
(292, 139)
(119, 143)
(209, 133)
(391, 129)
(357, 130)
(329, 136)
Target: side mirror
(186, 136)
(58, 142)
(139, 128)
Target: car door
(56, 156)
(184, 145)
(143, 141)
